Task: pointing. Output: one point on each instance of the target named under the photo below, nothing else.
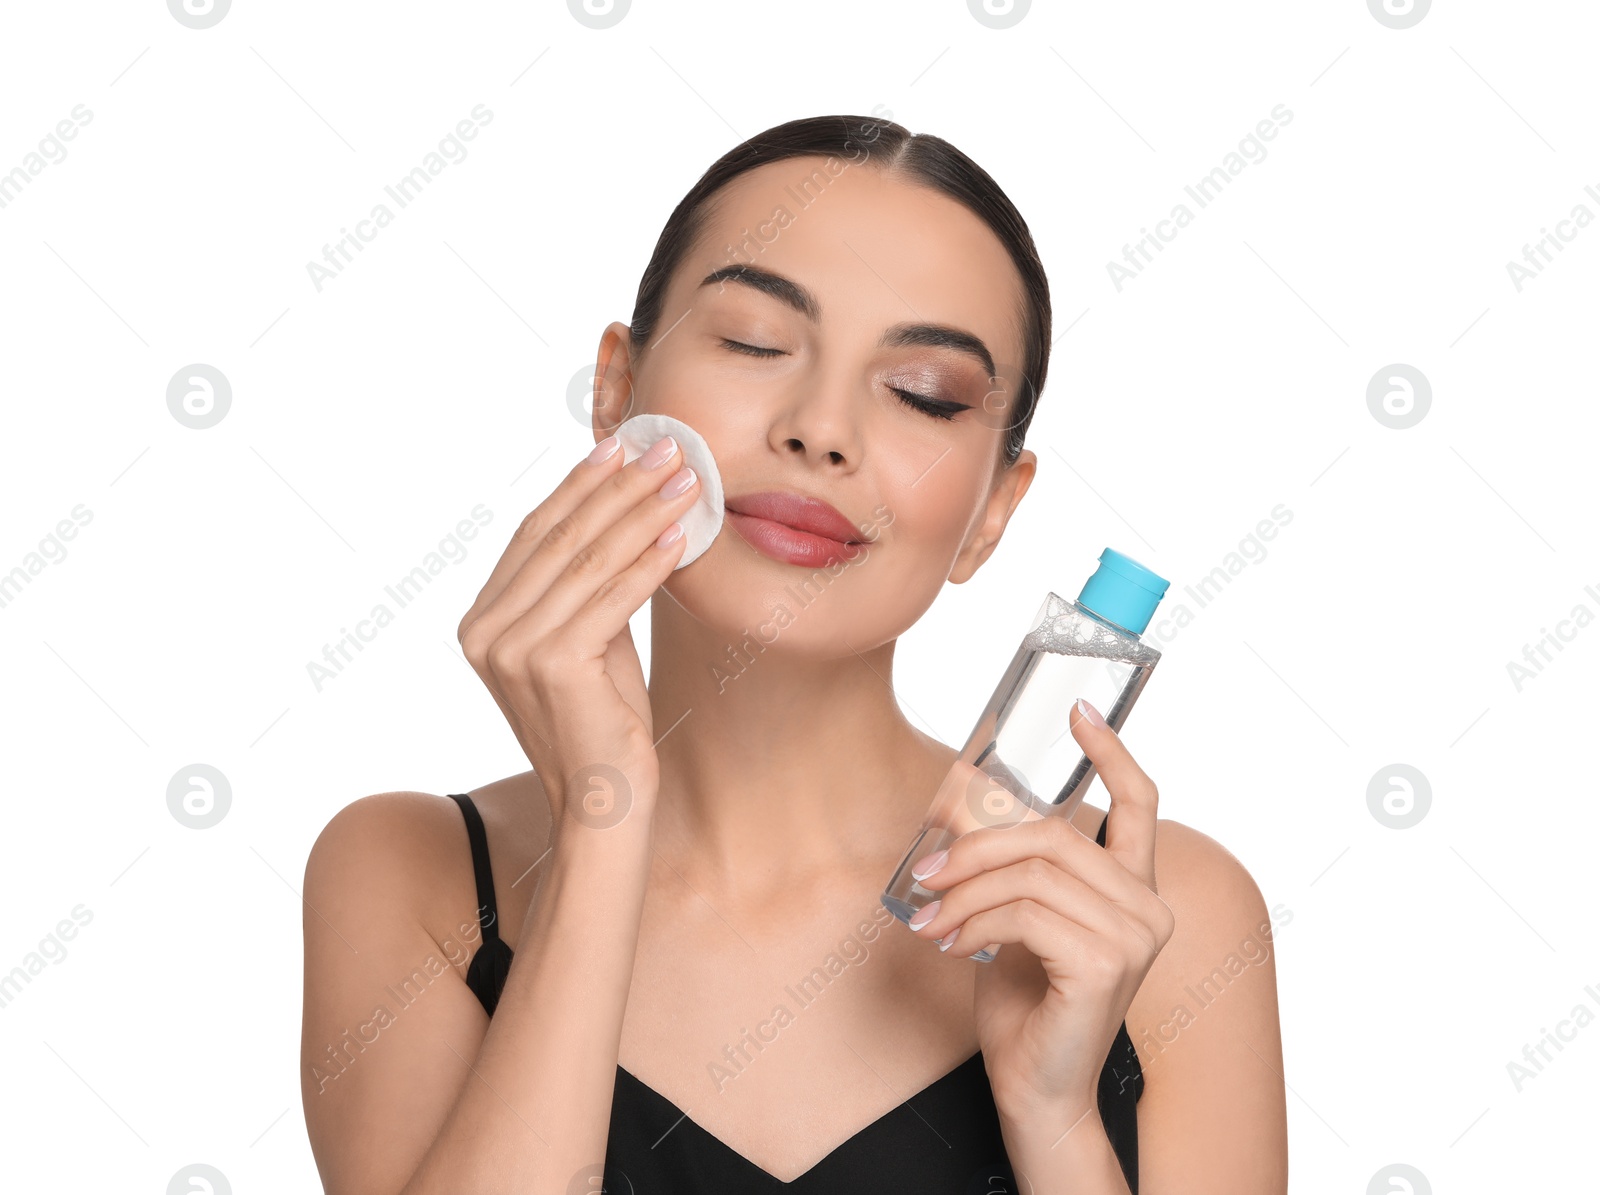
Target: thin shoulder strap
(1101, 837)
(488, 915)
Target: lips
(794, 529)
(799, 512)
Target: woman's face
(879, 307)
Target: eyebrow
(898, 336)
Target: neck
(778, 766)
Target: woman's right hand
(549, 632)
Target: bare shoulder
(1193, 870)
(399, 853)
(1205, 1025)
(390, 927)
(1218, 913)
(384, 831)
(1198, 871)
(409, 851)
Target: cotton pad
(703, 520)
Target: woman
(646, 986)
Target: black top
(945, 1138)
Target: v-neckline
(718, 1142)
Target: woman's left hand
(1090, 921)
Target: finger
(1053, 838)
(1065, 948)
(577, 553)
(595, 625)
(1131, 821)
(582, 480)
(1034, 879)
(612, 542)
(592, 633)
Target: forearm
(1071, 1156)
(534, 1109)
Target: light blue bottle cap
(1123, 591)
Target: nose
(821, 425)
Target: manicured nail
(603, 451)
(928, 864)
(678, 482)
(1088, 711)
(670, 536)
(660, 453)
(924, 915)
(949, 939)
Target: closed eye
(938, 408)
(750, 349)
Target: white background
(431, 375)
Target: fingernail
(928, 864)
(669, 536)
(949, 939)
(1088, 711)
(924, 915)
(678, 482)
(660, 453)
(603, 450)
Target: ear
(1003, 498)
(613, 380)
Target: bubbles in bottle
(1066, 631)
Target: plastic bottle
(1021, 761)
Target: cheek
(932, 512)
(713, 414)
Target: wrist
(1067, 1151)
(1031, 1112)
(1053, 1124)
(589, 876)
(617, 857)
(600, 821)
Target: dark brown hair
(922, 158)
